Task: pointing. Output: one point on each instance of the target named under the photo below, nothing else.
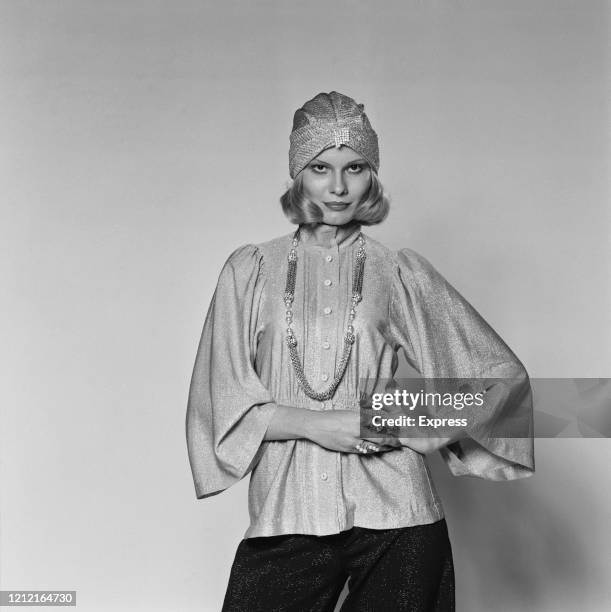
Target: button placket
(339, 498)
(330, 306)
(322, 478)
(328, 491)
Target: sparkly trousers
(408, 569)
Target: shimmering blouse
(242, 371)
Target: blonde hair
(371, 210)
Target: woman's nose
(339, 184)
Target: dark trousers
(391, 570)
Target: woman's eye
(355, 168)
(319, 168)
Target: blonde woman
(295, 325)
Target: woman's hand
(339, 430)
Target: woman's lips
(337, 205)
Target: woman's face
(337, 180)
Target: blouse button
(327, 310)
(325, 377)
(329, 258)
(326, 345)
(324, 476)
(327, 282)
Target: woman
(298, 326)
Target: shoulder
(254, 255)
(409, 260)
(379, 254)
(407, 267)
(417, 272)
(405, 261)
(276, 247)
(243, 265)
(243, 256)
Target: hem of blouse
(428, 521)
(258, 532)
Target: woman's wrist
(430, 444)
(290, 423)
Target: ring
(364, 447)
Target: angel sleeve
(446, 338)
(228, 408)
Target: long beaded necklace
(349, 337)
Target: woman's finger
(376, 446)
(386, 441)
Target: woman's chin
(337, 218)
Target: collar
(329, 236)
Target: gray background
(142, 141)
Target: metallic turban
(331, 120)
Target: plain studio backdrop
(143, 141)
